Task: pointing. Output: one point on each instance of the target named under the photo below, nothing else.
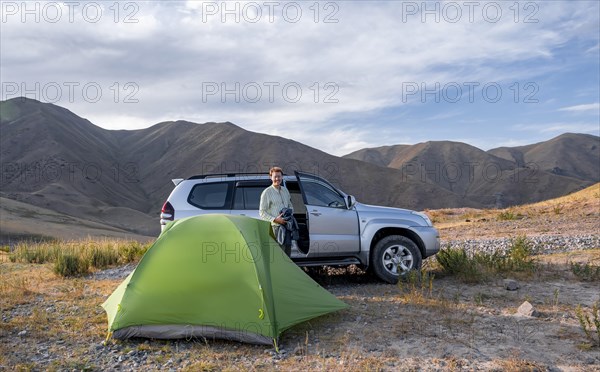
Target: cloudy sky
(335, 75)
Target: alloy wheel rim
(397, 259)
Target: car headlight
(424, 216)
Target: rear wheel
(394, 256)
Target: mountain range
(57, 161)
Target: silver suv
(335, 230)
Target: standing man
(272, 200)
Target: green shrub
(455, 261)
(519, 255)
(71, 264)
(132, 251)
(99, 254)
(102, 257)
(589, 322)
(557, 209)
(507, 216)
(417, 285)
(34, 253)
(478, 266)
(586, 272)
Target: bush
(417, 283)
(455, 261)
(557, 209)
(71, 264)
(507, 216)
(586, 272)
(99, 254)
(474, 268)
(132, 251)
(519, 255)
(38, 253)
(101, 258)
(590, 324)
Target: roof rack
(216, 175)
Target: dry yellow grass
(45, 296)
(374, 334)
(420, 324)
(575, 213)
(586, 201)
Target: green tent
(215, 276)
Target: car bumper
(431, 239)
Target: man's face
(276, 178)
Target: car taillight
(167, 212)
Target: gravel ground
(543, 244)
(473, 327)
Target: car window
(211, 195)
(247, 197)
(296, 195)
(320, 194)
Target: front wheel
(393, 257)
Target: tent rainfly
(215, 276)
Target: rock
(22, 333)
(527, 309)
(541, 244)
(511, 284)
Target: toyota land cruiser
(335, 230)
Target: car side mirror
(350, 201)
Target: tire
(393, 257)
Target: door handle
(315, 213)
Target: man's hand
(279, 220)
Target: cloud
(347, 60)
(582, 108)
(594, 49)
(560, 127)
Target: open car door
(332, 225)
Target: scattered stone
(114, 273)
(22, 333)
(511, 284)
(527, 309)
(545, 244)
